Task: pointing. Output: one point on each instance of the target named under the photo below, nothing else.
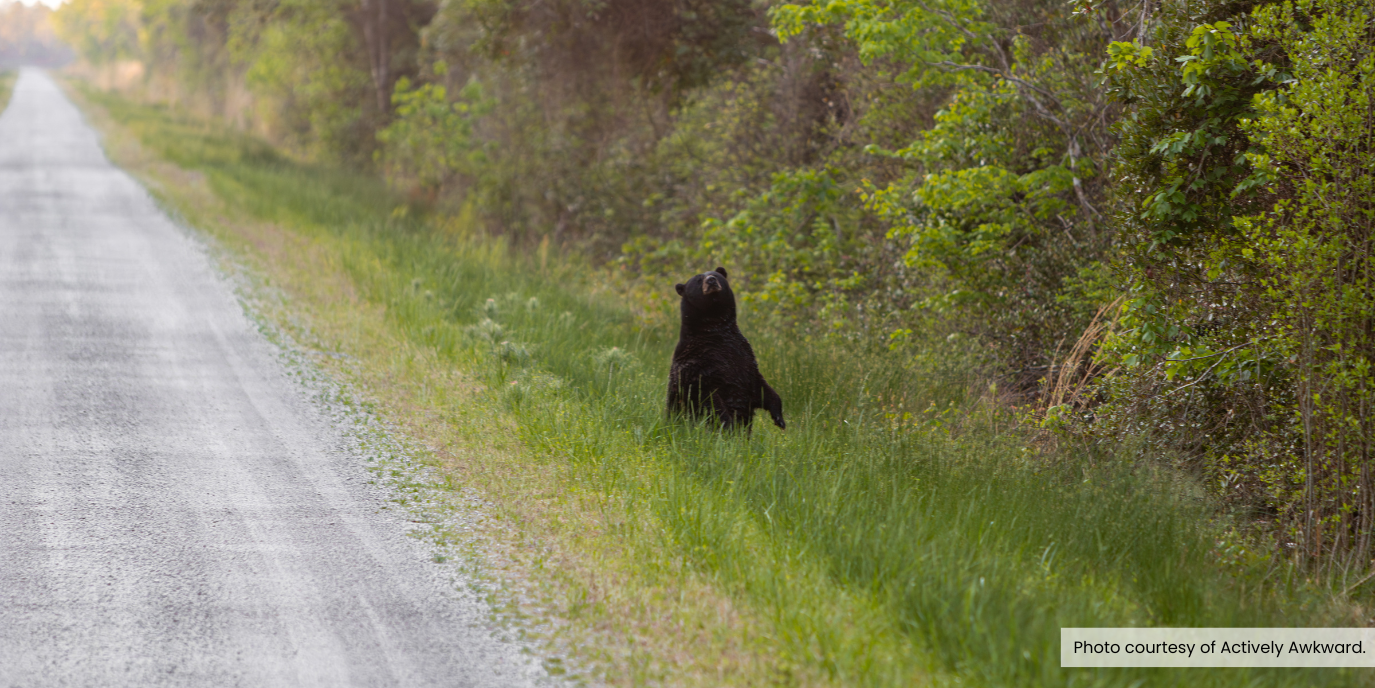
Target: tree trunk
(375, 36)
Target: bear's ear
(722, 271)
(678, 288)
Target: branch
(973, 38)
(1029, 90)
(1358, 583)
(1200, 358)
(1211, 367)
(1000, 73)
(1074, 154)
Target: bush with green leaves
(307, 98)
(581, 94)
(1246, 341)
(983, 220)
(431, 141)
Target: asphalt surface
(173, 511)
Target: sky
(50, 3)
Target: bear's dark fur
(714, 372)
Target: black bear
(714, 372)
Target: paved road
(172, 510)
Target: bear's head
(707, 297)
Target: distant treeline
(1155, 219)
(27, 37)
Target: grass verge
(7, 79)
(899, 532)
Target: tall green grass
(883, 549)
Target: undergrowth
(901, 530)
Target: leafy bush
(1246, 340)
(979, 220)
(431, 141)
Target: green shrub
(1246, 340)
(432, 142)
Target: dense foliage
(1246, 338)
(1146, 222)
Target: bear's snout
(711, 284)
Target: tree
(101, 31)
